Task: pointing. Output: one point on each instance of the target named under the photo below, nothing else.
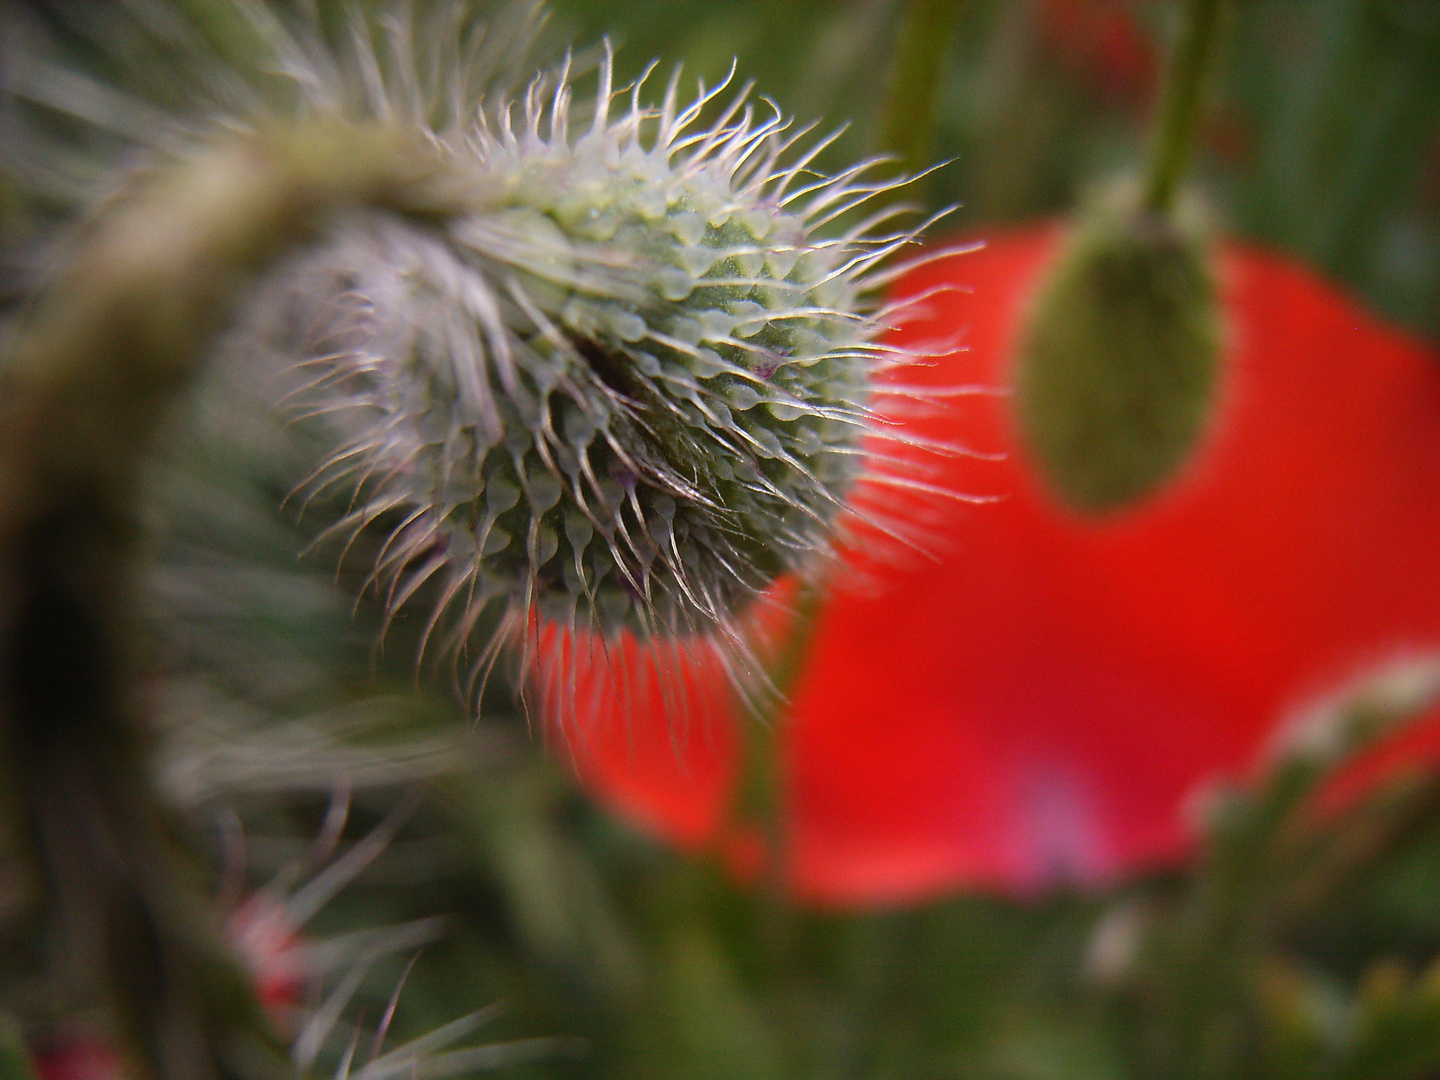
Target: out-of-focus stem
(907, 128)
(90, 374)
(759, 796)
(1182, 102)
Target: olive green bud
(1117, 370)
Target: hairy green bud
(605, 371)
(626, 391)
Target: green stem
(907, 126)
(759, 800)
(1182, 102)
(758, 794)
(92, 371)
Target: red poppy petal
(82, 1059)
(648, 729)
(1045, 699)
(1102, 42)
(1057, 689)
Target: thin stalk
(1182, 102)
(90, 374)
(758, 792)
(907, 125)
(760, 801)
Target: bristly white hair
(622, 392)
(311, 983)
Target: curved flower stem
(88, 379)
(1182, 102)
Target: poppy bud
(597, 363)
(1117, 370)
(627, 390)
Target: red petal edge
(1045, 700)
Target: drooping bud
(628, 393)
(606, 373)
(1117, 370)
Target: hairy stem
(106, 349)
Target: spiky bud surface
(608, 373)
(627, 391)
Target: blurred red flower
(265, 938)
(269, 944)
(1103, 44)
(1045, 700)
(80, 1059)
